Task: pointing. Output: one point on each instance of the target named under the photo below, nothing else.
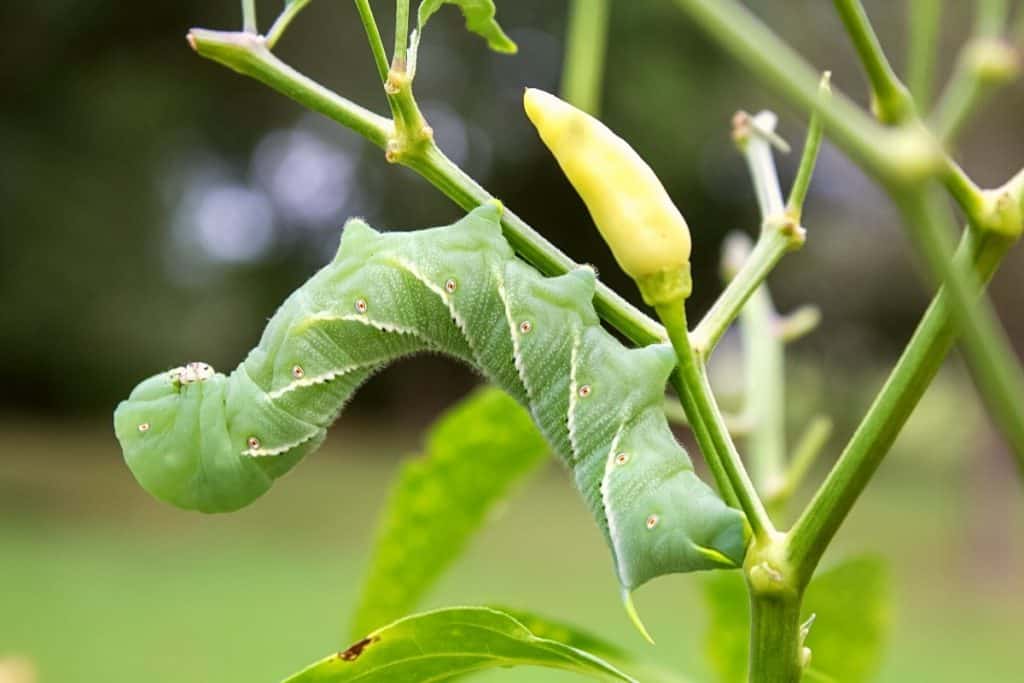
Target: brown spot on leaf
(356, 649)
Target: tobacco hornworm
(205, 441)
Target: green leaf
(479, 19)
(443, 644)
(725, 594)
(850, 604)
(572, 636)
(567, 634)
(474, 455)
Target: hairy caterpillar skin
(202, 440)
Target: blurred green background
(157, 208)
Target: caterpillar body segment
(205, 441)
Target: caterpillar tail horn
(634, 616)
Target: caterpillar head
(173, 430)
(662, 518)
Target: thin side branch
(703, 412)
(924, 23)
(248, 55)
(380, 57)
(889, 97)
(586, 44)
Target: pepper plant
(904, 142)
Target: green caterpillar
(205, 441)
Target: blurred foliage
(104, 584)
(474, 455)
(849, 604)
(157, 208)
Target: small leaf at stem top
(480, 20)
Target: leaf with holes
(474, 455)
(480, 20)
(446, 643)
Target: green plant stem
(380, 57)
(990, 18)
(890, 98)
(248, 55)
(964, 190)
(765, 391)
(704, 414)
(809, 157)
(283, 20)
(995, 367)
(779, 234)
(775, 637)
(960, 98)
(983, 64)
(767, 252)
(708, 448)
(924, 23)
(249, 24)
(891, 154)
(737, 425)
(906, 165)
(586, 44)
(756, 146)
(401, 34)
(764, 53)
(907, 382)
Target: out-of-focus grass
(100, 583)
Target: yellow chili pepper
(646, 232)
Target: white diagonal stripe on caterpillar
(321, 378)
(445, 296)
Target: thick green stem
(775, 648)
(586, 43)
(704, 414)
(994, 364)
(901, 393)
(890, 98)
